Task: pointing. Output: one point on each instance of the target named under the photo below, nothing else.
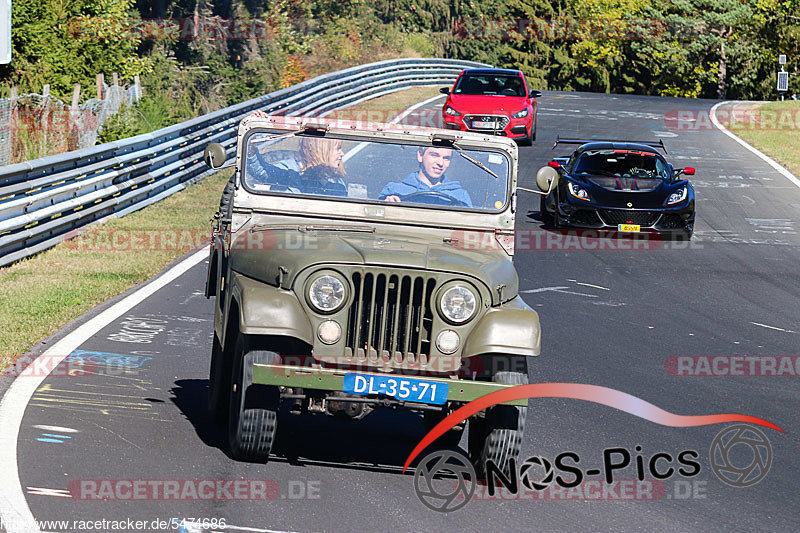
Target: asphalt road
(609, 317)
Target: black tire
(219, 384)
(253, 414)
(546, 216)
(533, 135)
(449, 439)
(227, 195)
(498, 436)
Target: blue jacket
(412, 184)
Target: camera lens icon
(445, 481)
(724, 461)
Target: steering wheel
(636, 171)
(431, 197)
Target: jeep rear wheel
(253, 408)
(449, 439)
(498, 436)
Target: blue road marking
(49, 440)
(56, 436)
(106, 358)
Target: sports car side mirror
(534, 94)
(546, 179)
(214, 155)
(445, 90)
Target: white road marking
(395, 120)
(771, 162)
(558, 289)
(59, 429)
(772, 327)
(41, 491)
(14, 510)
(589, 285)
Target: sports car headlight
(452, 112)
(326, 293)
(521, 114)
(458, 304)
(678, 196)
(577, 191)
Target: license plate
(482, 124)
(409, 390)
(629, 227)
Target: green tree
(62, 43)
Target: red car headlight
(521, 114)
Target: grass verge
(773, 128)
(44, 292)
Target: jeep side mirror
(554, 164)
(546, 179)
(534, 94)
(445, 90)
(214, 155)
(689, 171)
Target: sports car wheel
(547, 216)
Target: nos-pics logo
(445, 481)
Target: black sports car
(626, 186)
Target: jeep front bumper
(333, 380)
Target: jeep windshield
(376, 172)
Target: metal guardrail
(44, 201)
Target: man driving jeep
(433, 162)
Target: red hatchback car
(492, 100)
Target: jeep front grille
(391, 316)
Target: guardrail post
(76, 94)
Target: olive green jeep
(359, 267)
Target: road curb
(771, 162)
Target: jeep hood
(291, 250)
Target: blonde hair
(315, 152)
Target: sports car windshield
(368, 171)
(490, 85)
(621, 163)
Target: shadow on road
(382, 440)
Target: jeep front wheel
(253, 408)
(498, 435)
(219, 380)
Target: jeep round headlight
(458, 304)
(326, 293)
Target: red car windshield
(490, 85)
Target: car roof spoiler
(653, 144)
